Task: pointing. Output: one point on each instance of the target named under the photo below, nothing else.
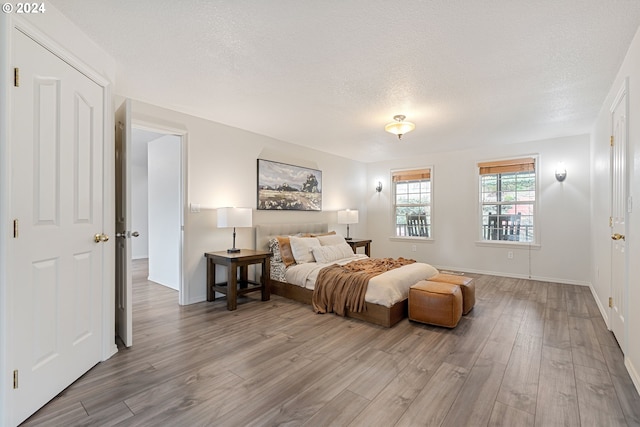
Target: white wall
(164, 210)
(563, 217)
(139, 198)
(601, 249)
(222, 171)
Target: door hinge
(15, 379)
(16, 77)
(611, 141)
(610, 302)
(15, 228)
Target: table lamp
(234, 217)
(348, 216)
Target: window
(508, 199)
(412, 202)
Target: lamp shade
(348, 216)
(234, 217)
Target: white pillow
(301, 248)
(331, 239)
(332, 253)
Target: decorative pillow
(277, 271)
(274, 247)
(331, 239)
(322, 234)
(301, 248)
(331, 253)
(285, 250)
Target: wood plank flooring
(529, 354)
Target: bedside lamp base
(233, 250)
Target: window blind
(527, 164)
(411, 175)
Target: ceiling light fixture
(399, 127)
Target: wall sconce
(379, 187)
(348, 217)
(561, 172)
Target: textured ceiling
(330, 74)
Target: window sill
(507, 243)
(411, 239)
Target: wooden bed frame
(374, 313)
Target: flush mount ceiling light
(399, 127)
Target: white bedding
(385, 289)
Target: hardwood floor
(529, 354)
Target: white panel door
(124, 282)
(55, 265)
(618, 302)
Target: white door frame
(109, 348)
(622, 95)
(145, 124)
(5, 208)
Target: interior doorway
(157, 204)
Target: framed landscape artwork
(288, 187)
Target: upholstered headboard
(264, 232)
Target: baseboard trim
(603, 311)
(515, 276)
(113, 349)
(159, 282)
(633, 373)
(196, 299)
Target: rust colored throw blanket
(342, 287)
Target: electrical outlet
(195, 207)
(510, 254)
(413, 248)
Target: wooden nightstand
(356, 243)
(234, 286)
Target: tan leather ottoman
(466, 285)
(435, 303)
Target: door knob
(100, 237)
(617, 236)
(126, 234)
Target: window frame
(535, 158)
(394, 205)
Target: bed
(384, 305)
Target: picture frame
(282, 186)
